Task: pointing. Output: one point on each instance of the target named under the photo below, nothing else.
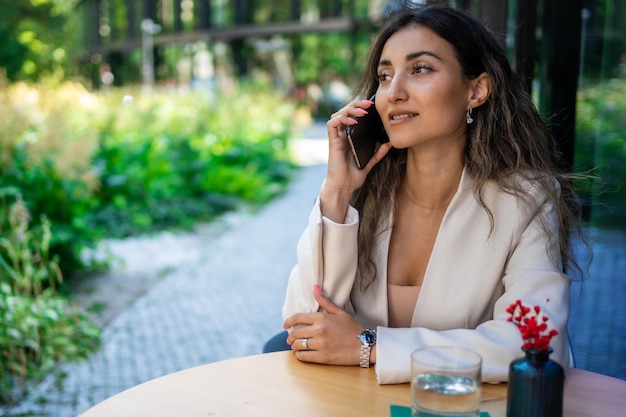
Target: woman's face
(422, 95)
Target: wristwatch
(368, 339)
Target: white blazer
(471, 278)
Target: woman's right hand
(343, 176)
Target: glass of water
(445, 381)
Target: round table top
(277, 384)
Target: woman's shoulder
(524, 183)
(520, 192)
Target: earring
(468, 117)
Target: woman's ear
(481, 89)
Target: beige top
(402, 300)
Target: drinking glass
(445, 381)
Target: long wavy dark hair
(507, 141)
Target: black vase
(535, 387)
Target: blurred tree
(36, 37)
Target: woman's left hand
(331, 335)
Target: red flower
(532, 325)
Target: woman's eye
(382, 77)
(420, 69)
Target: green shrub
(124, 162)
(164, 151)
(47, 143)
(38, 327)
(601, 145)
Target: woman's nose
(397, 89)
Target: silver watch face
(368, 336)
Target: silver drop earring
(468, 117)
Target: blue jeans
(277, 343)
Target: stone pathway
(174, 301)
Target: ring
(305, 344)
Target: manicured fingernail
(317, 289)
(362, 110)
(369, 101)
(353, 120)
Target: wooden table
(277, 384)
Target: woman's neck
(432, 185)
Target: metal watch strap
(366, 349)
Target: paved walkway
(213, 295)
(598, 307)
(216, 295)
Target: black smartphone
(364, 136)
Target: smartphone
(365, 135)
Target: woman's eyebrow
(410, 57)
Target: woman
(459, 215)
